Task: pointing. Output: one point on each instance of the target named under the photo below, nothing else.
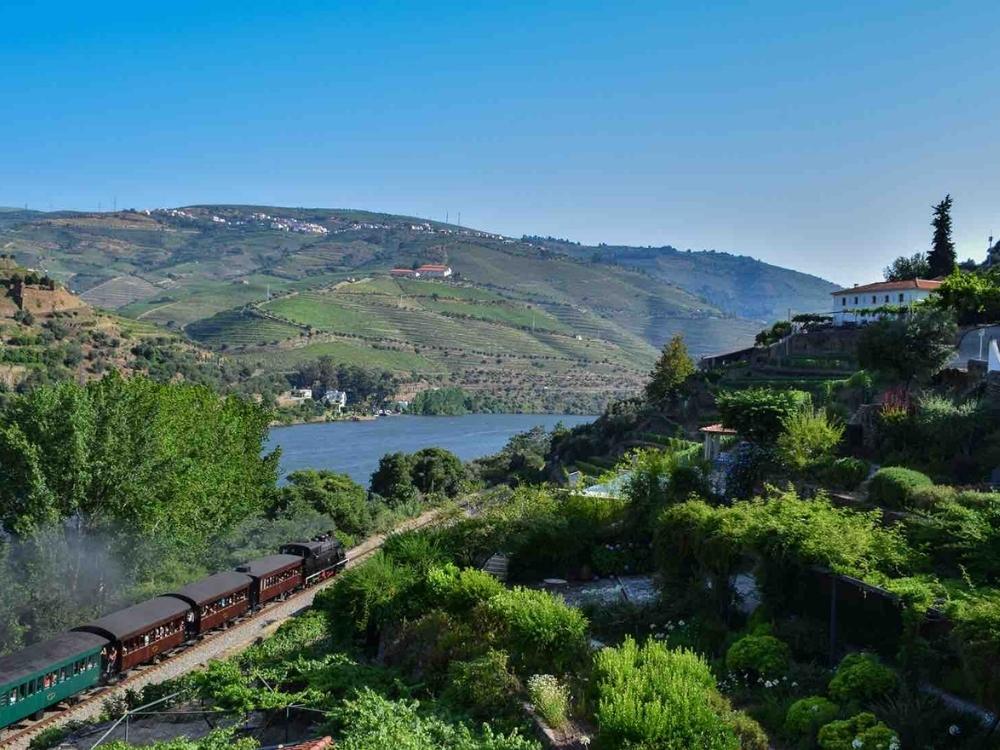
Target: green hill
(272, 287)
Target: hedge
(893, 486)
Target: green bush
(540, 630)
(485, 686)
(861, 677)
(892, 486)
(846, 473)
(461, 590)
(650, 697)
(550, 699)
(808, 437)
(807, 715)
(863, 731)
(372, 722)
(758, 414)
(930, 496)
(761, 655)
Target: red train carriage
(272, 576)
(141, 632)
(215, 600)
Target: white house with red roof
(859, 304)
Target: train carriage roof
(265, 566)
(42, 656)
(138, 618)
(316, 548)
(213, 587)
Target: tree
(437, 470)
(974, 296)
(904, 269)
(908, 348)
(759, 414)
(335, 495)
(151, 458)
(941, 259)
(393, 479)
(672, 368)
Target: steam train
(52, 671)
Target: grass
(286, 359)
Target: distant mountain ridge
(273, 286)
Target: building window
(855, 300)
(900, 296)
(843, 301)
(887, 298)
(874, 299)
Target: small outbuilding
(712, 436)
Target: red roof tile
(891, 286)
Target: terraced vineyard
(243, 327)
(529, 315)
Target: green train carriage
(46, 673)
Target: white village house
(335, 398)
(857, 304)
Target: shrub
(808, 437)
(749, 733)
(861, 677)
(485, 686)
(807, 715)
(540, 630)
(847, 473)
(861, 731)
(461, 590)
(372, 722)
(930, 496)
(892, 486)
(550, 699)
(763, 655)
(758, 414)
(651, 697)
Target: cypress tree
(942, 255)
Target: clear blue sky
(812, 135)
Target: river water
(354, 448)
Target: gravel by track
(217, 645)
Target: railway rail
(214, 645)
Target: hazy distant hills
(273, 285)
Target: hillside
(47, 333)
(736, 284)
(273, 287)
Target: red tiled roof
(318, 744)
(717, 429)
(892, 286)
(432, 267)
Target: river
(354, 448)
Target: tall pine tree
(942, 255)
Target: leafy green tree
(759, 414)
(909, 348)
(672, 369)
(437, 470)
(905, 268)
(942, 260)
(451, 401)
(973, 296)
(134, 454)
(393, 480)
(335, 495)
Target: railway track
(215, 645)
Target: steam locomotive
(49, 672)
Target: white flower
(894, 743)
(681, 623)
(585, 741)
(857, 743)
(954, 730)
(795, 684)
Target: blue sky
(811, 135)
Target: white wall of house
(848, 301)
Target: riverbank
(354, 448)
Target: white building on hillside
(856, 304)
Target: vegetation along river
(354, 448)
